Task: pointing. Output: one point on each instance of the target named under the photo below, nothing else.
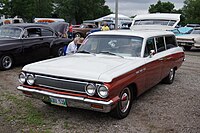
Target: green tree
(4, 7)
(191, 11)
(162, 7)
(80, 10)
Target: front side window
(129, 46)
(170, 42)
(32, 32)
(10, 32)
(160, 44)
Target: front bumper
(72, 101)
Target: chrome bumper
(72, 101)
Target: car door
(34, 44)
(153, 64)
(168, 59)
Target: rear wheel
(124, 105)
(187, 48)
(58, 52)
(170, 77)
(6, 62)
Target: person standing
(105, 27)
(70, 31)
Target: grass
(21, 110)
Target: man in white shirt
(72, 47)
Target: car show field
(164, 108)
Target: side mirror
(152, 53)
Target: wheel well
(133, 88)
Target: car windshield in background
(196, 31)
(155, 22)
(10, 32)
(129, 46)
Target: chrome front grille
(60, 84)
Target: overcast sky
(135, 7)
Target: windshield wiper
(110, 53)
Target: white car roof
(143, 33)
(164, 16)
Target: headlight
(30, 79)
(102, 91)
(22, 77)
(90, 89)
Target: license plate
(58, 101)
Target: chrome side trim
(109, 103)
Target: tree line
(79, 10)
(70, 10)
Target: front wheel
(124, 105)
(6, 62)
(77, 35)
(170, 77)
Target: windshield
(129, 46)
(155, 22)
(10, 32)
(196, 31)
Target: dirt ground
(171, 108)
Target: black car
(28, 42)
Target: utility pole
(116, 14)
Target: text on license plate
(58, 101)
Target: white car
(109, 70)
(190, 40)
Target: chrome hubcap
(6, 62)
(171, 74)
(125, 100)
(60, 51)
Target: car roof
(142, 33)
(26, 25)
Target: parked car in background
(182, 31)
(126, 25)
(76, 26)
(83, 29)
(109, 70)
(156, 21)
(190, 40)
(28, 42)
(192, 25)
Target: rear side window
(170, 42)
(150, 45)
(46, 32)
(160, 44)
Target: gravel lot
(164, 109)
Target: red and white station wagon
(109, 70)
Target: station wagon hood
(83, 67)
